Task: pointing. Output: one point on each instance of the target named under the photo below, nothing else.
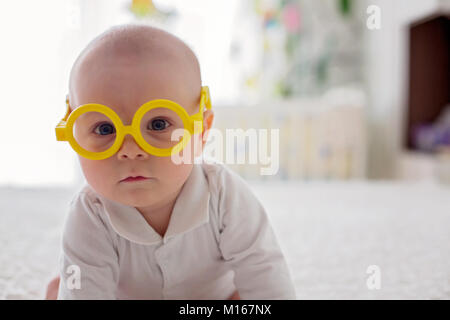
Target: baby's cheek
(97, 174)
(170, 175)
(174, 172)
(193, 149)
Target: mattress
(331, 233)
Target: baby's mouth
(134, 179)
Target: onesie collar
(191, 209)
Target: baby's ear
(208, 118)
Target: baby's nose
(131, 150)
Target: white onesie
(219, 239)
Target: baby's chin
(138, 197)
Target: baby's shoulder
(216, 173)
(86, 204)
(222, 179)
(87, 209)
(85, 195)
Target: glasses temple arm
(60, 129)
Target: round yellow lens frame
(192, 124)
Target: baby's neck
(158, 216)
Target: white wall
(41, 40)
(41, 43)
(31, 94)
(386, 54)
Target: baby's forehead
(124, 88)
(130, 65)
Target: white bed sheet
(330, 233)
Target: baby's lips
(134, 177)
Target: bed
(330, 233)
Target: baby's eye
(105, 129)
(158, 124)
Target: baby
(144, 226)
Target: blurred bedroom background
(363, 112)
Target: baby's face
(124, 86)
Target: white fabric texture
(219, 239)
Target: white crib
(322, 138)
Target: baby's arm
(248, 243)
(235, 296)
(88, 255)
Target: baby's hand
(235, 296)
(52, 289)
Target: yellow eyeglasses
(160, 127)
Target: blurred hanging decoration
(305, 47)
(345, 7)
(270, 19)
(146, 9)
(291, 20)
(291, 17)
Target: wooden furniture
(429, 72)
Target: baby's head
(123, 68)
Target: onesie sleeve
(89, 267)
(248, 243)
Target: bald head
(130, 64)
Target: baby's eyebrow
(89, 115)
